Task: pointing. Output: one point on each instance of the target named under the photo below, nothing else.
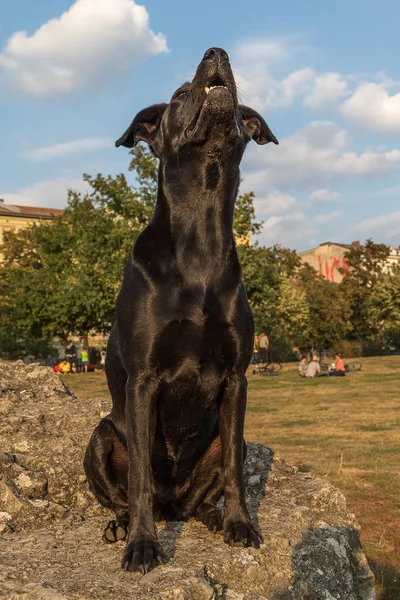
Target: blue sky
(325, 76)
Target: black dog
(177, 356)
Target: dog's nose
(216, 54)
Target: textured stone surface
(51, 527)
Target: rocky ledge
(51, 526)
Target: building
(329, 257)
(15, 217)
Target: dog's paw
(142, 554)
(115, 531)
(210, 516)
(242, 532)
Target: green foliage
(244, 225)
(329, 311)
(61, 277)
(292, 316)
(383, 306)
(367, 264)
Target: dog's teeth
(212, 87)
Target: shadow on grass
(387, 580)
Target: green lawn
(346, 430)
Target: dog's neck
(196, 207)
(199, 196)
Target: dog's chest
(189, 346)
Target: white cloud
(373, 108)
(254, 62)
(271, 49)
(329, 217)
(258, 88)
(315, 155)
(49, 194)
(289, 230)
(88, 44)
(255, 66)
(68, 148)
(327, 90)
(322, 196)
(275, 202)
(386, 227)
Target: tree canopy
(61, 277)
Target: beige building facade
(15, 217)
(328, 259)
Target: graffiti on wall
(329, 267)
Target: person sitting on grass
(338, 370)
(65, 367)
(313, 369)
(303, 365)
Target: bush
(374, 348)
(348, 348)
(281, 350)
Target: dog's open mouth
(216, 84)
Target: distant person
(303, 365)
(263, 345)
(313, 368)
(338, 369)
(64, 367)
(56, 368)
(71, 356)
(84, 360)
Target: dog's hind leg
(106, 467)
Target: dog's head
(202, 114)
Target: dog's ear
(143, 127)
(255, 126)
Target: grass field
(346, 430)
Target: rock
(24, 481)
(53, 549)
(5, 522)
(254, 480)
(21, 446)
(8, 500)
(31, 591)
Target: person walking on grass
(71, 356)
(84, 360)
(263, 345)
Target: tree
(383, 307)
(367, 265)
(292, 314)
(61, 277)
(329, 311)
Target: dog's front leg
(238, 528)
(142, 551)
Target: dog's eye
(178, 94)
